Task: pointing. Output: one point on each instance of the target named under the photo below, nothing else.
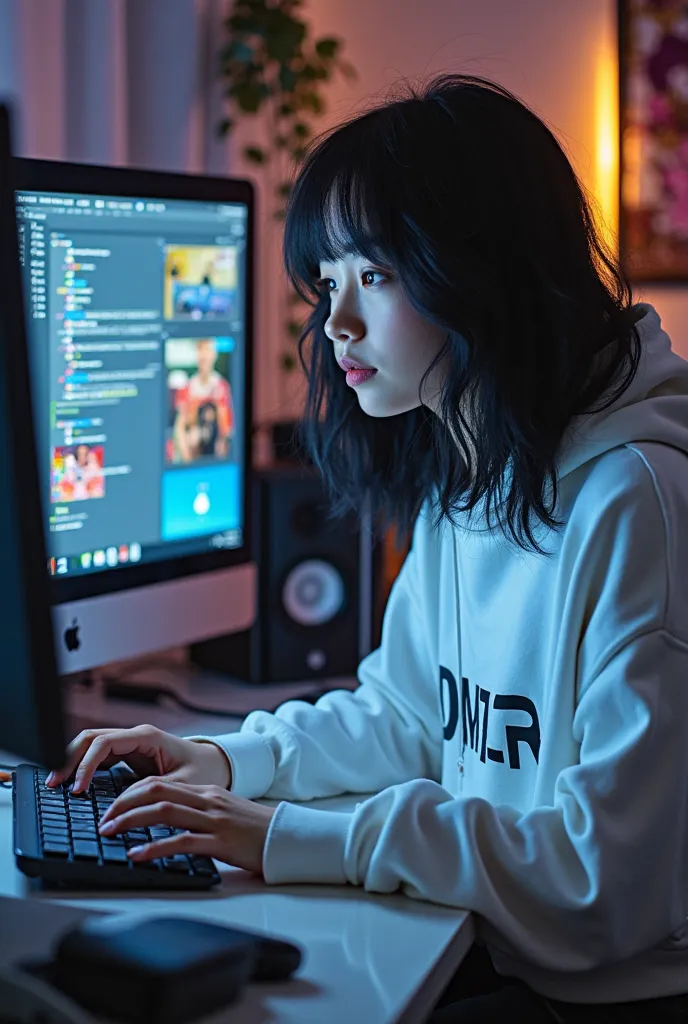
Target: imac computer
(138, 291)
(32, 723)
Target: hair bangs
(339, 206)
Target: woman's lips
(354, 377)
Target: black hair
(466, 195)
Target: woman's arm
(386, 732)
(598, 876)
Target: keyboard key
(84, 834)
(58, 835)
(179, 864)
(53, 849)
(159, 832)
(86, 850)
(115, 854)
(146, 865)
(203, 866)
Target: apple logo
(71, 637)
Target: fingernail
(51, 778)
(107, 827)
(136, 851)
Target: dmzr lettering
(475, 715)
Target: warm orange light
(606, 162)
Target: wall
(558, 56)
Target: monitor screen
(137, 309)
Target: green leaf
(255, 155)
(294, 329)
(225, 126)
(288, 362)
(284, 36)
(240, 24)
(311, 101)
(283, 189)
(287, 79)
(301, 130)
(327, 48)
(237, 50)
(249, 96)
(279, 214)
(285, 110)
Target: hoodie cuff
(306, 845)
(251, 760)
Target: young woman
(478, 369)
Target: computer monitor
(138, 290)
(31, 717)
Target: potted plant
(270, 65)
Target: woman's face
(372, 323)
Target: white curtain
(115, 81)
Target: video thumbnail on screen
(200, 282)
(200, 423)
(77, 473)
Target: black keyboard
(56, 839)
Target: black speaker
(318, 587)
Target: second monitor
(139, 291)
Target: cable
(151, 693)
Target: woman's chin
(380, 408)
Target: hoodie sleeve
(596, 877)
(386, 732)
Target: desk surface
(378, 959)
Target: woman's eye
(324, 285)
(371, 273)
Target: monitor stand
(29, 930)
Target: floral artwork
(654, 139)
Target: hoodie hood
(653, 408)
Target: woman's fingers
(74, 753)
(163, 813)
(186, 842)
(155, 791)
(111, 744)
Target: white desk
(377, 959)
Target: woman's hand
(218, 824)
(147, 751)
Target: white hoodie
(524, 722)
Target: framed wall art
(653, 121)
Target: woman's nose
(343, 328)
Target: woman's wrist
(218, 757)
